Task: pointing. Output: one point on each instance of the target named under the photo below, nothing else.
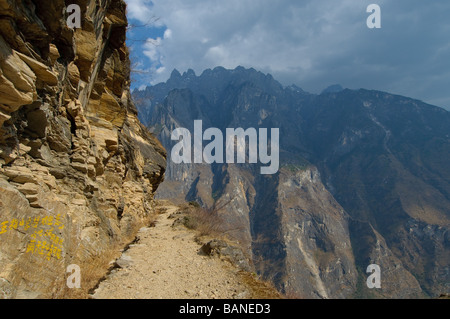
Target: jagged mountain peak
(189, 74)
(175, 74)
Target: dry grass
(93, 270)
(260, 289)
(206, 222)
(98, 266)
(265, 288)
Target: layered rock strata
(78, 170)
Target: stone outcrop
(77, 169)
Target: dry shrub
(260, 289)
(208, 222)
(93, 270)
(96, 268)
(205, 221)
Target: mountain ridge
(380, 156)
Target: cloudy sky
(310, 43)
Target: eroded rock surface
(363, 180)
(78, 170)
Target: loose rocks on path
(165, 263)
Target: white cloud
(263, 34)
(160, 70)
(273, 36)
(139, 10)
(167, 34)
(151, 49)
(311, 43)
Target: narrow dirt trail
(165, 264)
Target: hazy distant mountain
(364, 178)
(336, 88)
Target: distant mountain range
(364, 179)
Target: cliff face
(78, 170)
(362, 181)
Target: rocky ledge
(77, 168)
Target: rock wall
(315, 234)
(77, 169)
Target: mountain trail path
(165, 263)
